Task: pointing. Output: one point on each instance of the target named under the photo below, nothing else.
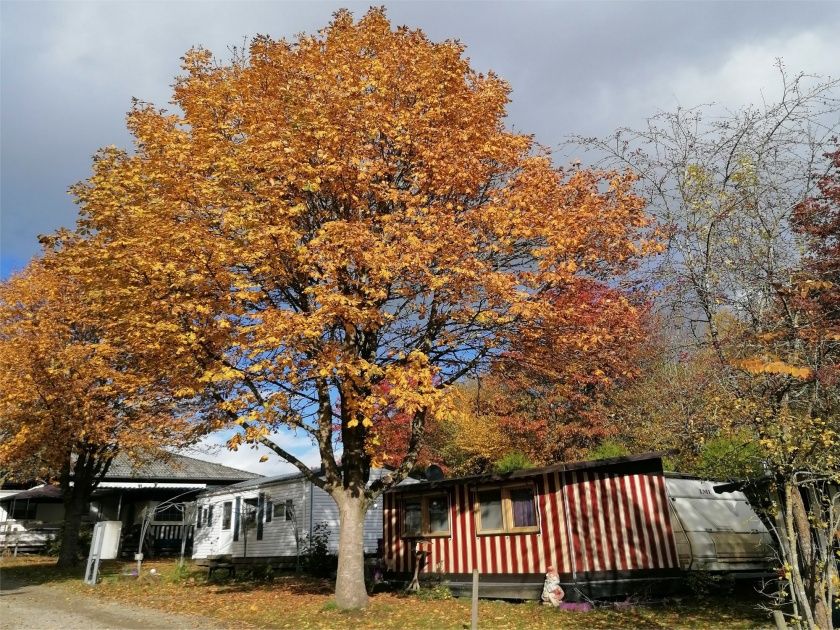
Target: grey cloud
(69, 70)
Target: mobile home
(268, 520)
(608, 527)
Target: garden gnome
(552, 592)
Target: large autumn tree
(71, 395)
(335, 213)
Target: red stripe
(597, 540)
(556, 524)
(620, 534)
(561, 530)
(386, 516)
(574, 520)
(514, 555)
(461, 541)
(535, 554)
(640, 515)
(474, 542)
(469, 531)
(656, 521)
(649, 520)
(653, 520)
(546, 533)
(492, 559)
(627, 510)
(608, 522)
(666, 516)
(523, 550)
(590, 539)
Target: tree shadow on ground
(25, 571)
(291, 583)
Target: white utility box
(110, 539)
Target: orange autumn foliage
(66, 387)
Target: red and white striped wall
(589, 522)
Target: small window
(170, 514)
(426, 516)
(249, 509)
(227, 511)
(508, 510)
(290, 510)
(279, 511)
(522, 510)
(490, 511)
(413, 517)
(199, 513)
(24, 510)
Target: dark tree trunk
(78, 480)
(75, 502)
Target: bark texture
(350, 589)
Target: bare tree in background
(725, 188)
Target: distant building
(30, 518)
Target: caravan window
(506, 510)
(426, 515)
(227, 511)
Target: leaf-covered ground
(291, 601)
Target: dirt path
(42, 607)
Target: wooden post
(779, 618)
(474, 622)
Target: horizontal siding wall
(588, 522)
(325, 510)
(313, 506)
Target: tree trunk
(75, 501)
(350, 589)
(797, 585)
(78, 480)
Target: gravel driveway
(30, 606)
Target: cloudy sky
(68, 71)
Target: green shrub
(83, 548)
(730, 457)
(511, 461)
(316, 557)
(607, 450)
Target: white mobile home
(269, 520)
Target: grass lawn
(292, 601)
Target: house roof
(375, 473)
(42, 493)
(644, 462)
(166, 466)
(260, 482)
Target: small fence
(17, 536)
